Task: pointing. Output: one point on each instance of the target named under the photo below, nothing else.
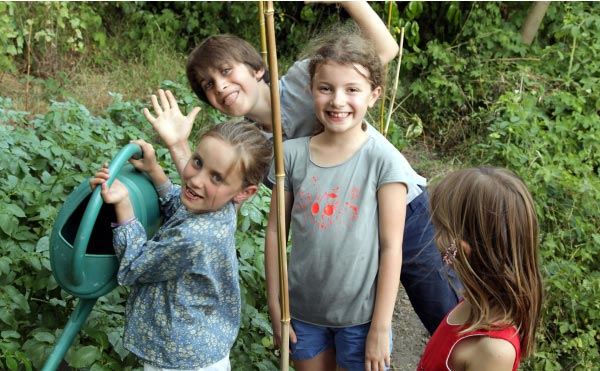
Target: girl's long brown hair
(492, 211)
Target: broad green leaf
(9, 224)
(44, 337)
(83, 356)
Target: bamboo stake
(279, 176)
(263, 34)
(384, 90)
(395, 89)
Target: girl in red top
(487, 229)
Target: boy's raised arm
(373, 27)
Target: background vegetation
(75, 75)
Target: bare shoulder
(478, 353)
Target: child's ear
(244, 194)
(374, 95)
(259, 74)
(466, 247)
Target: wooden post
(279, 178)
(263, 34)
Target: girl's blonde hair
(253, 148)
(493, 212)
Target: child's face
(212, 176)
(342, 96)
(232, 88)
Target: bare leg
(324, 361)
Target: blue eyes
(214, 177)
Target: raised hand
(171, 125)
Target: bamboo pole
(263, 34)
(384, 92)
(395, 89)
(279, 178)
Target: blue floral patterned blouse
(184, 307)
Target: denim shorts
(349, 342)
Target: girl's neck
(331, 149)
(261, 113)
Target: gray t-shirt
(334, 223)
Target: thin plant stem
(28, 67)
(572, 57)
(395, 89)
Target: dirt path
(410, 336)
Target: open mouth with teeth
(230, 98)
(338, 115)
(191, 194)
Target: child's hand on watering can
(173, 127)
(117, 192)
(147, 162)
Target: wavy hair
(492, 211)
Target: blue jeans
(424, 277)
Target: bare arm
(373, 27)
(272, 262)
(172, 126)
(391, 199)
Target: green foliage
(44, 158)
(255, 345)
(52, 35)
(11, 42)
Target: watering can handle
(93, 209)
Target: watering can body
(82, 257)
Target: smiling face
(212, 177)
(342, 95)
(232, 88)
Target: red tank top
(446, 336)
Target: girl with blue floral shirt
(184, 308)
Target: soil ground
(410, 336)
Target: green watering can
(82, 257)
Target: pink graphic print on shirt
(326, 209)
